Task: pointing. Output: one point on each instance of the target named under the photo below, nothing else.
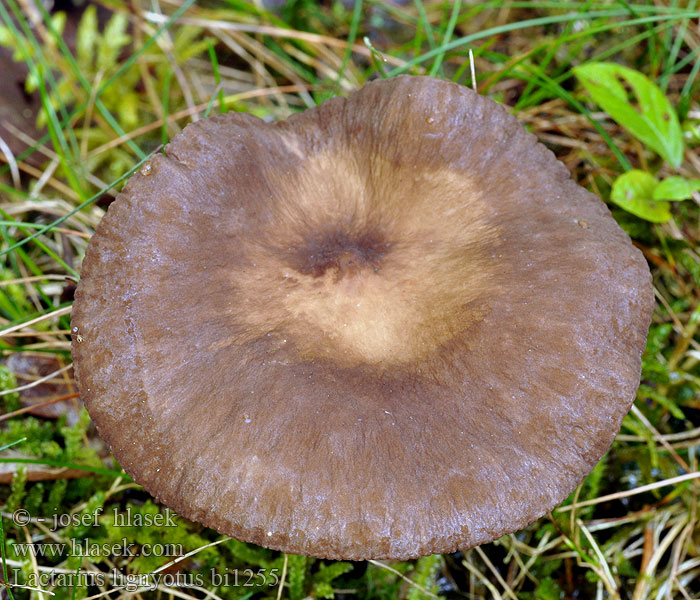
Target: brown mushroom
(386, 327)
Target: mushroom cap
(389, 326)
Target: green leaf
(646, 391)
(58, 22)
(128, 110)
(5, 37)
(8, 381)
(548, 589)
(676, 188)
(634, 191)
(652, 120)
(87, 36)
(327, 573)
(322, 580)
(113, 40)
(296, 575)
(425, 575)
(323, 590)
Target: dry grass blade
(639, 490)
(52, 315)
(37, 382)
(402, 576)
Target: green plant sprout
(650, 117)
(113, 83)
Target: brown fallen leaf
(30, 366)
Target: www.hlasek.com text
(90, 549)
